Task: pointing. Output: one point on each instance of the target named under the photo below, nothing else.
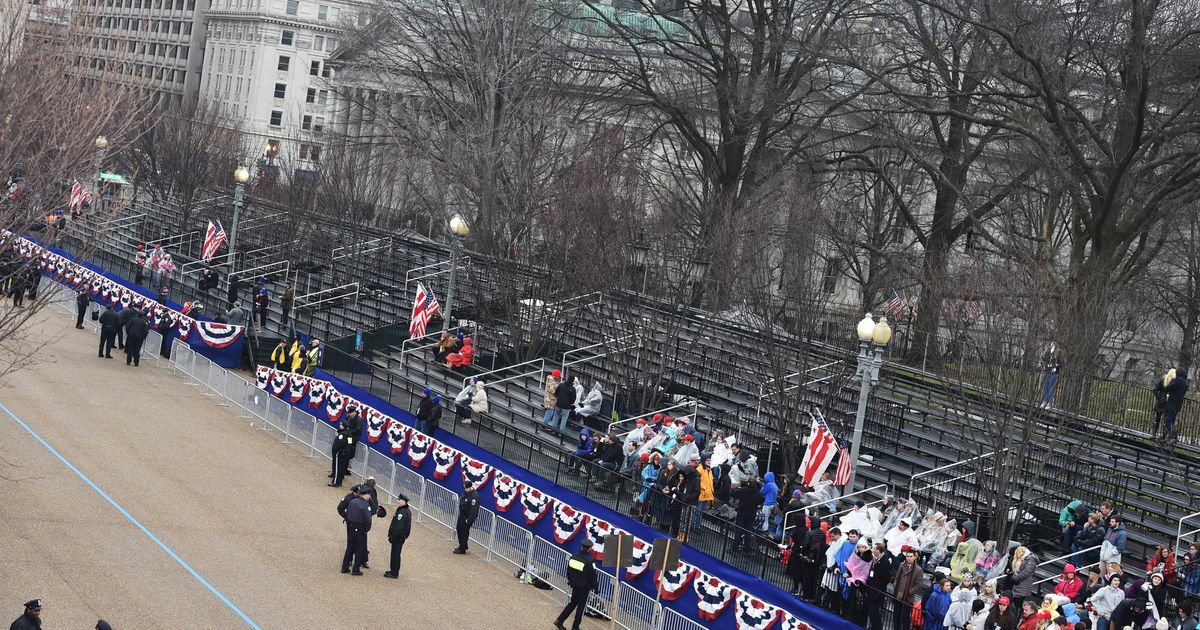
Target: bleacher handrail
(803, 508)
(348, 290)
(1078, 570)
(1179, 533)
(694, 403)
(271, 269)
(557, 305)
(541, 371)
(912, 480)
(358, 248)
(602, 344)
(436, 336)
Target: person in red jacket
(1029, 620)
(464, 356)
(1163, 561)
(1068, 583)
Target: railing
(309, 300)
(1078, 570)
(269, 269)
(694, 403)
(602, 344)
(912, 483)
(364, 247)
(788, 515)
(540, 371)
(505, 541)
(558, 305)
(1179, 533)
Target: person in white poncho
(864, 519)
(899, 537)
(589, 405)
(686, 452)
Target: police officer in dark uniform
(108, 332)
(357, 514)
(468, 510)
(82, 299)
(398, 532)
(345, 444)
(32, 619)
(581, 577)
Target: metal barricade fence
(502, 538)
(441, 504)
(671, 620)
(481, 530)
(510, 542)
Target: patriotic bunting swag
(595, 530)
(335, 405)
(419, 446)
(397, 435)
(444, 459)
(263, 376)
(641, 558)
(279, 382)
(216, 335)
(376, 422)
(316, 394)
(790, 622)
(298, 385)
(474, 473)
(675, 583)
(567, 521)
(752, 613)
(714, 595)
(505, 489)
(534, 504)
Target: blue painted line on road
(133, 520)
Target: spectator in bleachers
(685, 451)
(1163, 561)
(961, 608)
(1189, 571)
(1000, 616)
(1114, 542)
(744, 465)
(749, 501)
(462, 402)
(585, 450)
(209, 280)
(1176, 394)
(720, 447)
(899, 537)
(1052, 367)
(683, 499)
(770, 493)
(1104, 601)
(637, 435)
(139, 264)
(236, 315)
(296, 354)
(1029, 618)
(461, 357)
(988, 557)
(608, 460)
(660, 497)
(1130, 612)
(1021, 572)
(907, 585)
(1094, 583)
(704, 499)
(831, 587)
(722, 492)
(962, 563)
(446, 345)
(163, 270)
(285, 303)
(564, 403)
(548, 398)
(649, 475)
(906, 510)
(1186, 619)
(1157, 591)
(629, 463)
(427, 409)
(1070, 523)
(1160, 398)
(1068, 584)
(937, 605)
(261, 303)
(1091, 535)
(590, 404)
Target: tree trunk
(929, 307)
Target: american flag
(212, 240)
(425, 306)
(79, 196)
(894, 307)
(841, 475)
(822, 446)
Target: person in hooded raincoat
(937, 605)
(959, 612)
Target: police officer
(398, 532)
(357, 514)
(581, 577)
(109, 325)
(468, 510)
(82, 299)
(345, 445)
(32, 619)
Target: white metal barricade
(671, 620)
(510, 542)
(549, 562)
(481, 530)
(440, 504)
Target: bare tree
(1172, 284)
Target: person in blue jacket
(584, 451)
(770, 493)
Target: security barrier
(502, 539)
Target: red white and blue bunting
(263, 376)
(505, 489)
(215, 335)
(752, 613)
(335, 405)
(376, 422)
(297, 386)
(185, 325)
(474, 473)
(596, 530)
(534, 503)
(567, 521)
(279, 382)
(713, 595)
(397, 435)
(674, 583)
(316, 393)
(444, 459)
(419, 446)
(791, 622)
(641, 558)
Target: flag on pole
(79, 196)
(821, 448)
(894, 307)
(425, 306)
(841, 475)
(213, 238)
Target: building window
(326, 72)
(286, 38)
(326, 12)
(833, 268)
(293, 7)
(310, 152)
(318, 43)
(285, 62)
(306, 122)
(322, 97)
(318, 124)
(280, 90)
(314, 68)
(276, 118)
(311, 97)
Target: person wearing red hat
(549, 399)
(1068, 583)
(139, 264)
(1001, 616)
